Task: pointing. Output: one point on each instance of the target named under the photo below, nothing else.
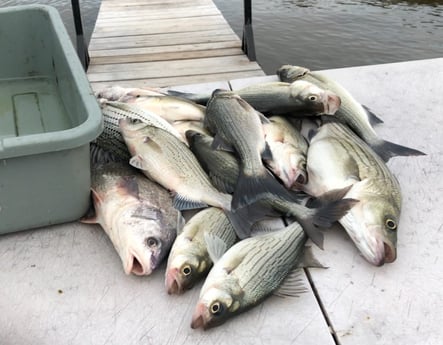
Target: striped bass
(337, 158)
(247, 273)
(351, 112)
(168, 161)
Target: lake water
(319, 34)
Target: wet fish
(338, 158)
(136, 213)
(121, 94)
(237, 126)
(195, 126)
(170, 108)
(221, 166)
(288, 148)
(351, 112)
(111, 138)
(247, 273)
(166, 160)
(189, 260)
(300, 98)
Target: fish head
(314, 100)
(214, 307)
(372, 225)
(288, 164)
(142, 240)
(290, 73)
(184, 270)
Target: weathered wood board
(164, 43)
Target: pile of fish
(230, 185)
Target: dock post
(82, 49)
(248, 45)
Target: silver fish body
(136, 213)
(166, 160)
(221, 166)
(237, 125)
(246, 274)
(288, 148)
(189, 260)
(170, 108)
(350, 111)
(111, 138)
(337, 158)
(298, 99)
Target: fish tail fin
(386, 150)
(250, 188)
(323, 217)
(195, 97)
(243, 219)
(373, 118)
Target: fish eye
(152, 242)
(313, 98)
(391, 224)
(187, 270)
(216, 308)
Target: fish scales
(338, 158)
(189, 259)
(247, 273)
(168, 161)
(379, 172)
(259, 261)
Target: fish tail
(249, 189)
(386, 150)
(324, 217)
(242, 219)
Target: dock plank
(164, 40)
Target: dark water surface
(319, 34)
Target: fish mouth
(198, 318)
(384, 252)
(173, 286)
(136, 266)
(331, 103)
(390, 252)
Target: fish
(189, 259)
(337, 157)
(168, 161)
(111, 139)
(249, 272)
(184, 126)
(299, 98)
(351, 112)
(121, 94)
(288, 148)
(222, 167)
(136, 214)
(170, 108)
(238, 127)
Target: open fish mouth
(390, 252)
(384, 252)
(173, 285)
(198, 318)
(331, 103)
(136, 266)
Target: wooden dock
(159, 43)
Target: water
(318, 34)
